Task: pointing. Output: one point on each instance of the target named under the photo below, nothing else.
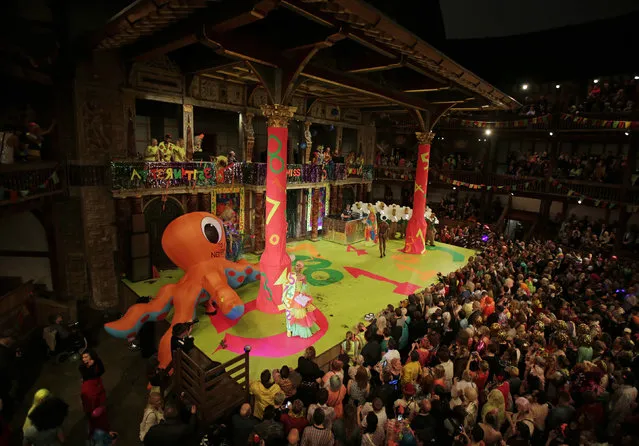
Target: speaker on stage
(140, 269)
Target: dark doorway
(292, 214)
(158, 215)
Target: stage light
(512, 194)
(524, 86)
(442, 138)
(550, 133)
(488, 132)
(579, 202)
(454, 188)
(557, 86)
(637, 78)
(479, 139)
(484, 238)
(485, 139)
(596, 81)
(627, 134)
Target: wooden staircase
(215, 389)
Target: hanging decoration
(544, 119)
(13, 195)
(561, 188)
(600, 123)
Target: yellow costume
(179, 153)
(166, 151)
(151, 153)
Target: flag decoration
(520, 123)
(600, 123)
(526, 185)
(13, 196)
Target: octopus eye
(211, 229)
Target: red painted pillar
(275, 260)
(416, 228)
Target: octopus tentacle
(156, 310)
(224, 295)
(184, 303)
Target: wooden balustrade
(22, 182)
(216, 389)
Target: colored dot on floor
(162, 316)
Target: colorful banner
(275, 262)
(13, 195)
(416, 228)
(561, 188)
(520, 123)
(600, 123)
(161, 175)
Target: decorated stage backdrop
(225, 197)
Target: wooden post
(315, 205)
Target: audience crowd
(527, 344)
(586, 235)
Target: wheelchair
(70, 348)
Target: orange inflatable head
(194, 238)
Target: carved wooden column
(187, 130)
(315, 207)
(204, 202)
(259, 221)
(137, 205)
(191, 203)
(249, 135)
(123, 223)
(340, 198)
(129, 115)
(309, 141)
(339, 134)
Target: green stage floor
(346, 283)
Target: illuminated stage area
(345, 282)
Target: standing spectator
(242, 425)
(172, 431)
(93, 394)
(346, 430)
(310, 373)
(46, 423)
(373, 431)
(336, 394)
(269, 429)
(264, 392)
(295, 418)
(317, 434)
(153, 414)
(327, 411)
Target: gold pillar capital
(278, 115)
(425, 137)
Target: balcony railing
(22, 182)
(150, 175)
(536, 185)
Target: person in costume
(300, 317)
(371, 225)
(233, 237)
(166, 148)
(384, 231)
(152, 152)
(179, 151)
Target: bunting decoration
(559, 186)
(520, 123)
(600, 123)
(13, 196)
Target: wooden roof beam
(188, 32)
(259, 12)
(365, 87)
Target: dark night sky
(471, 19)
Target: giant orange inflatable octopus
(196, 243)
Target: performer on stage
(300, 319)
(384, 231)
(233, 237)
(371, 225)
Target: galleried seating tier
(203, 174)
